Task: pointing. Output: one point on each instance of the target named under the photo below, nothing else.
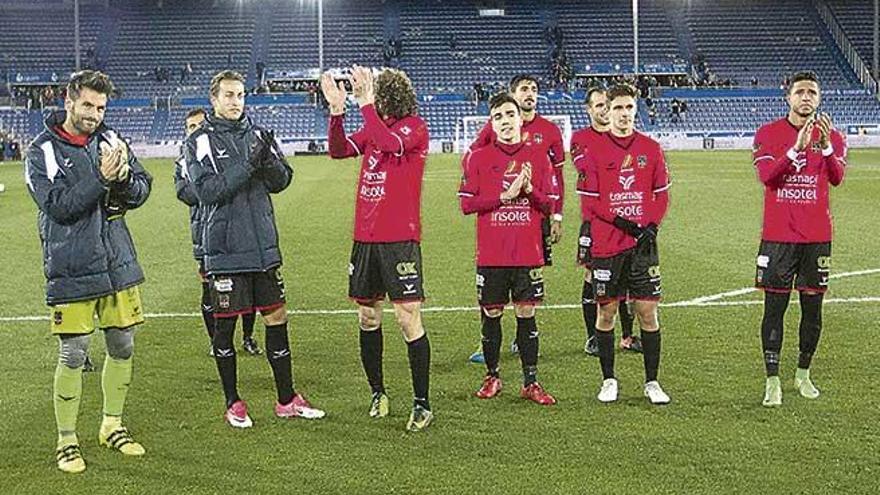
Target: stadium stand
(446, 47)
(857, 19)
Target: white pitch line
(462, 309)
(748, 290)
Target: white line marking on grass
(463, 309)
(747, 290)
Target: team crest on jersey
(642, 160)
(800, 162)
(627, 181)
(538, 138)
(627, 163)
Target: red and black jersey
(624, 177)
(542, 133)
(581, 142)
(509, 232)
(389, 191)
(796, 184)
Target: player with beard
(509, 185)
(581, 142)
(84, 178)
(386, 258)
(797, 159)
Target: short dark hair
(226, 75)
(395, 95)
(90, 79)
(806, 75)
(500, 99)
(619, 90)
(519, 79)
(194, 112)
(594, 89)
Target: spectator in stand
(675, 107)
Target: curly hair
(395, 95)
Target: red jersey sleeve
(556, 150)
(660, 184)
(388, 141)
(769, 166)
(835, 161)
(556, 153)
(485, 137)
(578, 150)
(340, 145)
(470, 199)
(544, 190)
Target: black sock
(371, 358)
(626, 319)
(491, 332)
(208, 311)
(247, 325)
(419, 352)
(224, 356)
(278, 354)
(775, 304)
(589, 308)
(527, 340)
(651, 351)
(810, 328)
(606, 353)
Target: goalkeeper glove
(628, 226)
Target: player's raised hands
(527, 179)
(825, 126)
(362, 85)
(334, 93)
(804, 135)
(111, 161)
(515, 187)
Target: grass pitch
(714, 438)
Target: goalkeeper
(83, 179)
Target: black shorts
(242, 293)
(548, 245)
(584, 258)
(393, 268)
(632, 274)
(778, 264)
(496, 286)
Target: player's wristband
(828, 151)
(557, 217)
(792, 154)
